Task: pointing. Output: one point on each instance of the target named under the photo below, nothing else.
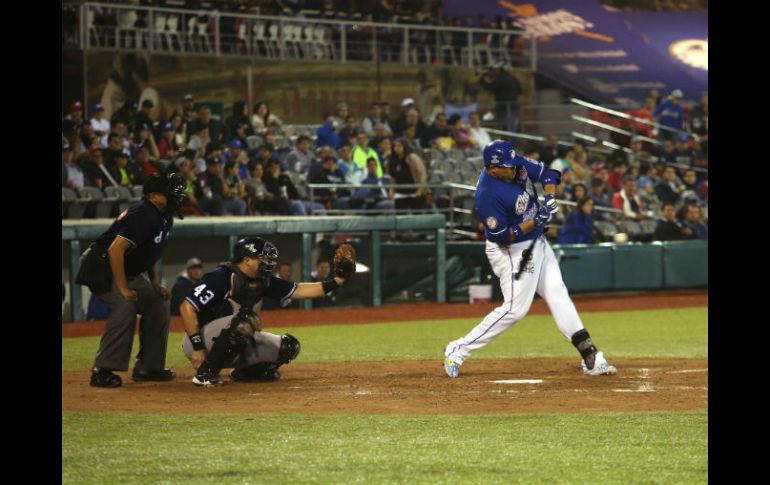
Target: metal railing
(213, 33)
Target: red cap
(76, 106)
(94, 149)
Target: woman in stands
(579, 226)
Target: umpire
(119, 267)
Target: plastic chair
(173, 32)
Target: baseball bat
(526, 257)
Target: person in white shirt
(479, 135)
(100, 124)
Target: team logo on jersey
(491, 223)
(521, 203)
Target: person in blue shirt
(514, 222)
(327, 133)
(579, 228)
(670, 113)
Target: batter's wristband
(197, 342)
(330, 285)
(516, 233)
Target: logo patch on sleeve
(491, 223)
(521, 203)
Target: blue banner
(608, 57)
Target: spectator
(684, 152)
(460, 135)
(260, 200)
(380, 134)
(331, 174)
(236, 154)
(644, 113)
(100, 125)
(327, 133)
(263, 121)
(72, 174)
(210, 188)
(144, 116)
(580, 168)
(280, 185)
(238, 118)
(188, 109)
(265, 152)
(167, 146)
(551, 150)
(667, 152)
(300, 159)
(668, 228)
(216, 129)
(576, 192)
(145, 166)
(439, 129)
(670, 114)
(191, 204)
(114, 147)
(479, 136)
(615, 180)
(75, 114)
(700, 113)
(348, 133)
(384, 149)
(373, 118)
(180, 136)
(693, 221)
(562, 164)
(321, 273)
(125, 175)
(629, 201)
(504, 86)
(342, 111)
(185, 283)
(237, 189)
(370, 198)
(352, 173)
(669, 189)
(96, 175)
(217, 182)
(405, 167)
(143, 137)
(601, 197)
(199, 140)
(362, 152)
(647, 193)
(579, 226)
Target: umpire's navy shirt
(146, 228)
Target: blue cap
(683, 138)
(499, 153)
(97, 108)
(236, 143)
(168, 127)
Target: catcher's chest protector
(244, 290)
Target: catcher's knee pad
(289, 349)
(227, 346)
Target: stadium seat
(606, 229)
(72, 206)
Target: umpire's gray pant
(261, 347)
(118, 338)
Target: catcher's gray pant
(118, 338)
(262, 347)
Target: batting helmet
(499, 153)
(256, 247)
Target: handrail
(627, 116)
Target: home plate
(518, 381)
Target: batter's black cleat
(158, 375)
(255, 373)
(105, 378)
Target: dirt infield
(434, 311)
(415, 387)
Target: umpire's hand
(162, 291)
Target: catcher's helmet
(499, 153)
(256, 247)
(172, 186)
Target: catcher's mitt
(344, 261)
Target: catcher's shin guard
(227, 346)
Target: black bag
(95, 272)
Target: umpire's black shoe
(158, 375)
(105, 378)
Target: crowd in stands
(245, 165)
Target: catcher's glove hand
(344, 261)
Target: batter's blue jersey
(501, 204)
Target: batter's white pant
(542, 274)
(262, 347)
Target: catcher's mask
(256, 247)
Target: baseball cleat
(207, 380)
(105, 378)
(160, 375)
(452, 369)
(600, 366)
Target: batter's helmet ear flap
(499, 153)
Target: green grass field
(283, 448)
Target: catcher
(220, 318)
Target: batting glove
(551, 204)
(542, 217)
